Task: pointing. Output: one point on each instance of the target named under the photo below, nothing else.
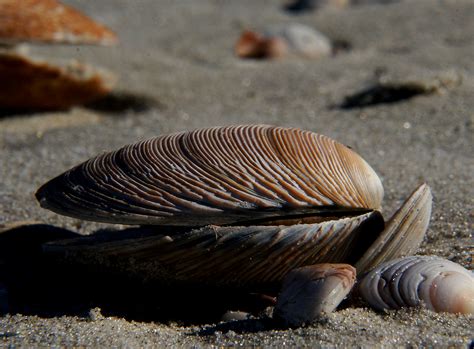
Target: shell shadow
(113, 103)
(121, 101)
(35, 283)
(381, 94)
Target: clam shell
(311, 291)
(251, 257)
(403, 233)
(215, 176)
(49, 21)
(439, 284)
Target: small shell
(439, 284)
(253, 45)
(215, 176)
(32, 84)
(256, 258)
(404, 232)
(311, 291)
(49, 21)
(302, 40)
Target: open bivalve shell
(237, 206)
(49, 21)
(438, 284)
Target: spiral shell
(214, 176)
(311, 291)
(439, 284)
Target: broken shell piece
(311, 291)
(49, 21)
(253, 45)
(404, 232)
(439, 284)
(32, 84)
(295, 39)
(302, 40)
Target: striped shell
(439, 284)
(216, 175)
(251, 257)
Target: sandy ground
(178, 72)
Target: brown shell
(214, 176)
(251, 257)
(49, 21)
(403, 233)
(31, 84)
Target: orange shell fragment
(49, 21)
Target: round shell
(214, 176)
(439, 284)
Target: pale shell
(312, 291)
(438, 284)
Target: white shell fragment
(302, 40)
(214, 176)
(438, 284)
(404, 232)
(311, 291)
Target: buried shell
(438, 284)
(277, 198)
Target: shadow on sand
(36, 283)
(116, 102)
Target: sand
(178, 72)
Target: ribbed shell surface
(214, 172)
(439, 284)
(249, 257)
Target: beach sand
(178, 72)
